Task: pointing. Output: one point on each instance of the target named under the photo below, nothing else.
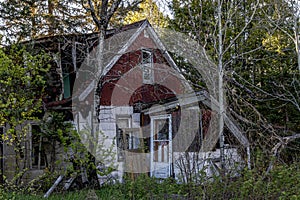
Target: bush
(281, 183)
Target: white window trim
(153, 118)
(147, 67)
(134, 134)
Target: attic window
(146, 56)
(147, 67)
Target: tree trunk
(297, 29)
(220, 86)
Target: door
(161, 146)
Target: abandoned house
(143, 104)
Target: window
(146, 57)
(128, 138)
(123, 122)
(38, 155)
(161, 140)
(147, 61)
(133, 138)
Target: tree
(147, 10)
(256, 59)
(23, 20)
(219, 27)
(286, 19)
(102, 13)
(22, 88)
(191, 18)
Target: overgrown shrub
(41, 183)
(281, 183)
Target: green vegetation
(261, 63)
(22, 88)
(66, 196)
(150, 11)
(281, 183)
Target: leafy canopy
(22, 85)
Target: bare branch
(283, 142)
(113, 9)
(104, 15)
(91, 9)
(244, 28)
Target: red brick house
(145, 107)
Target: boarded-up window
(128, 138)
(123, 122)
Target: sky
(163, 6)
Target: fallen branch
(283, 142)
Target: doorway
(161, 146)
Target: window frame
(147, 66)
(41, 151)
(131, 136)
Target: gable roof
(118, 43)
(127, 36)
(61, 47)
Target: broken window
(123, 122)
(146, 65)
(147, 57)
(128, 138)
(133, 138)
(38, 155)
(161, 139)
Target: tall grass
(283, 182)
